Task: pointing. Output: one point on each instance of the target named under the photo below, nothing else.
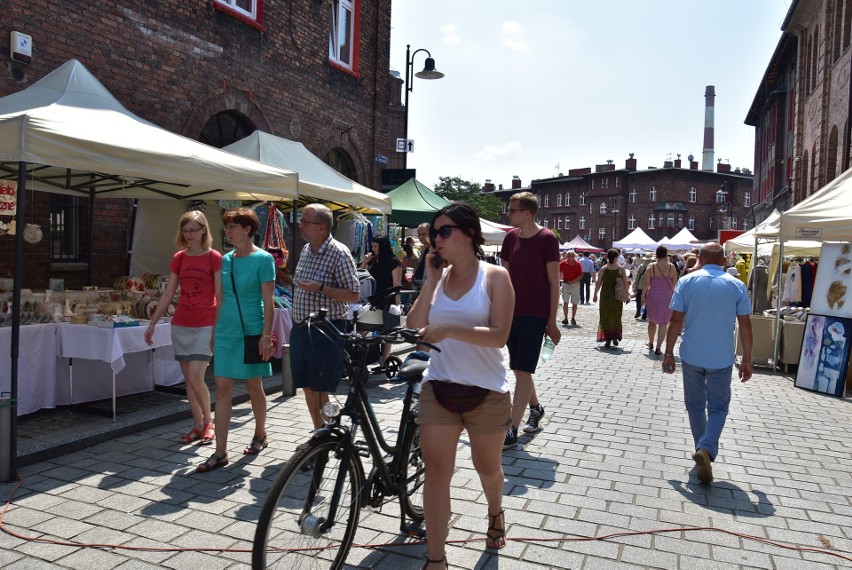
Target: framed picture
(833, 285)
(825, 354)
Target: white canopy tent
(637, 239)
(67, 133)
(317, 180)
(493, 232)
(681, 241)
(77, 138)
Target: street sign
(381, 159)
(404, 145)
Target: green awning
(412, 203)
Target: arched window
(603, 208)
(631, 223)
(652, 194)
(632, 195)
(558, 223)
(651, 222)
(558, 200)
(583, 199)
(567, 199)
(567, 223)
(547, 200)
(339, 159)
(225, 128)
(582, 222)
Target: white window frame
(652, 222)
(582, 222)
(546, 222)
(567, 223)
(652, 194)
(690, 223)
(251, 14)
(558, 222)
(547, 200)
(680, 220)
(593, 183)
(602, 209)
(601, 233)
(582, 199)
(693, 194)
(339, 8)
(747, 199)
(558, 200)
(734, 223)
(617, 179)
(567, 199)
(632, 196)
(631, 223)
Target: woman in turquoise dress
(251, 271)
(610, 308)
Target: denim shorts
(316, 359)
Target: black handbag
(251, 342)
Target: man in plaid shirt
(325, 279)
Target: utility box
(21, 48)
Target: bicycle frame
(360, 412)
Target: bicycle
(311, 513)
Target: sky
(535, 88)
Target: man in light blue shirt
(586, 282)
(705, 305)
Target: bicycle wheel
(290, 532)
(392, 365)
(413, 472)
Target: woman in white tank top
(464, 308)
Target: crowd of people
(459, 306)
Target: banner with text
(8, 197)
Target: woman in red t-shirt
(197, 268)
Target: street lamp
(614, 216)
(429, 72)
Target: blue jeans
(707, 395)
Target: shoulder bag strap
(234, 285)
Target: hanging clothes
(793, 284)
(808, 274)
(758, 285)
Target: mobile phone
(437, 260)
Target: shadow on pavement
(725, 497)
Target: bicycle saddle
(413, 368)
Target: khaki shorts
(570, 293)
(493, 415)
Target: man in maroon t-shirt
(571, 273)
(531, 254)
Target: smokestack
(709, 112)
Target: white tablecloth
(100, 352)
(37, 366)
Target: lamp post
(429, 72)
(614, 216)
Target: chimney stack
(488, 186)
(516, 182)
(677, 162)
(630, 163)
(709, 115)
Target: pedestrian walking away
(531, 254)
(586, 282)
(610, 276)
(660, 279)
(705, 305)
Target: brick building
(606, 204)
(211, 70)
(802, 106)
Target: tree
(456, 189)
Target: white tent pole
(780, 289)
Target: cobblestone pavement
(613, 457)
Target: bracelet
(322, 286)
(666, 355)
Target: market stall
(66, 133)
(637, 239)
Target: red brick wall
(179, 62)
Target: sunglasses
(443, 231)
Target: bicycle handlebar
(394, 335)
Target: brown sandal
(496, 536)
(209, 435)
(428, 561)
(193, 435)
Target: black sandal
(215, 461)
(429, 561)
(257, 445)
(496, 535)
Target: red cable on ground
(605, 537)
